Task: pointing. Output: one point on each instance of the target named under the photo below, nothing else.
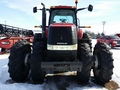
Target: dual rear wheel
(21, 61)
(18, 61)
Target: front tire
(18, 66)
(103, 72)
(84, 56)
(37, 37)
(37, 57)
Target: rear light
(52, 7)
(37, 26)
(84, 26)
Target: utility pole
(103, 23)
(5, 22)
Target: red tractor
(61, 47)
(9, 35)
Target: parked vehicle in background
(110, 40)
(118, 34)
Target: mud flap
(51, 67)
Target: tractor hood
(62, 33)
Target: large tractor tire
(29, 33)
(104, 63)
(2, 51)
(18, 61)
(84, 56)
(87, 39)
(37, 37)
(1, 29)
(37, 57)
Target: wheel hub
(26, 59)
(95, 61)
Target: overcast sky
(20, 13)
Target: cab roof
(63, 7)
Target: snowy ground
(4, 76)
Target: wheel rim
(26, 59)
(96, 62)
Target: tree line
(94, 35)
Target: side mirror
(90, 8)
(34, 9)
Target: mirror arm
(81, 9)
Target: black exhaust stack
(43, 21)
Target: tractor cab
(62, 32)
(63, 14)
(60, 14)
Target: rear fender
(80, 33)
(46, 32)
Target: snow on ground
(4, 76)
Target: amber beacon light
(76, 1)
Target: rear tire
(2, 51)
(37, 57)
(18, 66)
(104, 71)
(1, 29)
(37, 37)
(84, 56)
(87, 39)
